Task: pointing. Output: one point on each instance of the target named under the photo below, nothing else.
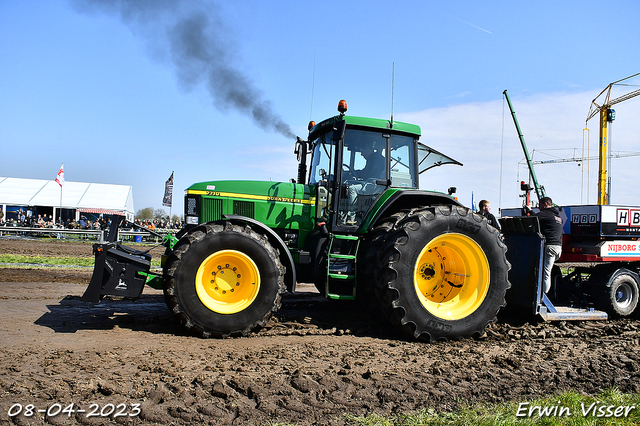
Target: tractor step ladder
(341, 267)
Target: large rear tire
(444, 273)
(370, 262)
(223, 279)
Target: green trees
(145, 214)
(149, 213)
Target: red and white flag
(60, 177)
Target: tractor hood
(255, 190)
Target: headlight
(192, 210)
(191, 206)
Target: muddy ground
(314, 362)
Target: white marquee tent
(78, 196)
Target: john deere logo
(122, 285)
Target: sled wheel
(223, 279)
(444, 275)
(621, 297)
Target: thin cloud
(460, 95)
(474, 26)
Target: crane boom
(595, 108)
(575, 159)
(540, 192)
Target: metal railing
(83, 234)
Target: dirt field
(314, 361)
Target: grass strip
(609, 407)
(47, 260)
(54, 261)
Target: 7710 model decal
(311, 200)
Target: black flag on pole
(168, 192)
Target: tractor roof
(376, 123)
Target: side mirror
(452, 190)
(300, 149)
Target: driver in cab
(374, 169)
(375, 164)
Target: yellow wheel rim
(452, 276)
(227, 281)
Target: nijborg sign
(620, 248)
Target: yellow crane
(607, 115)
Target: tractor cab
(357, 159)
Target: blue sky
(103, 90)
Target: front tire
(223, 279)
(444, 273)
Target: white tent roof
(75, 195)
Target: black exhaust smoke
(192, 36)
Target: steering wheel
(347, 168)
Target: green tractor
(355, 224)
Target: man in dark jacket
(485, 210)
(551, 228)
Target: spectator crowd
(159, 224)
